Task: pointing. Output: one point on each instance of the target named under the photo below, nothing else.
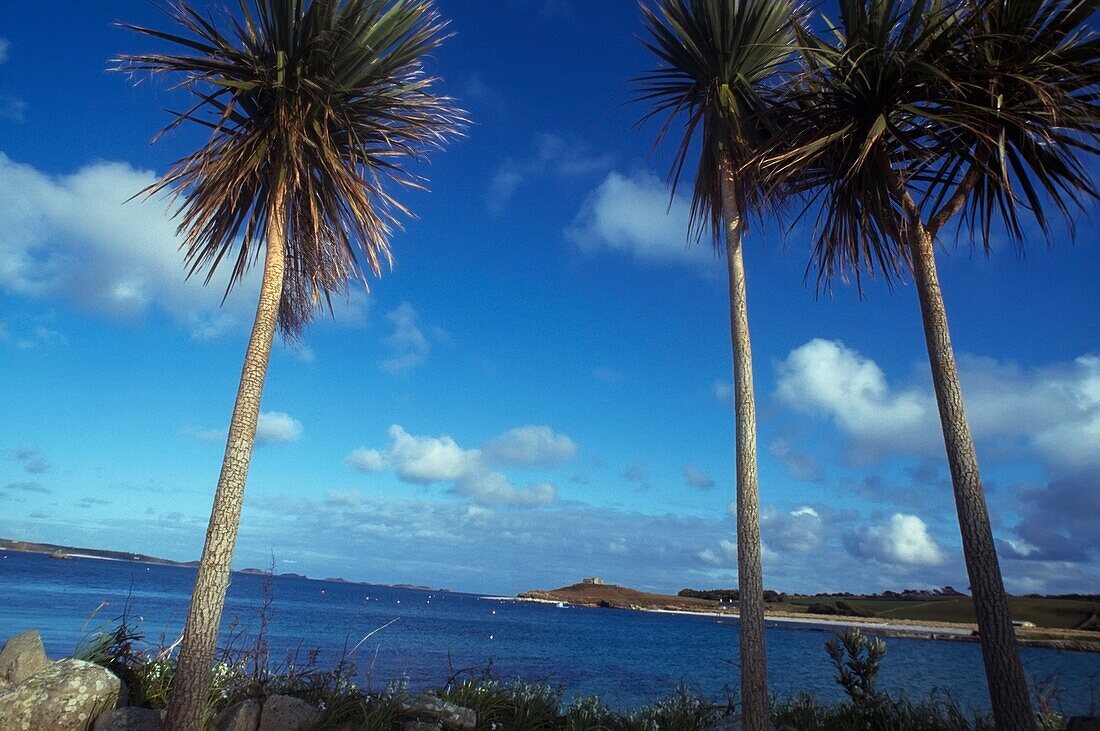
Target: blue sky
(539, 390)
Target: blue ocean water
(627, 658)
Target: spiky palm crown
(927, 106)
(315, 103)
(719, 61)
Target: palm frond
(1027, 115)
(718, 64)
(859, 128)
(312, 102)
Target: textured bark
(755, 715)
(191, 684)
(1004, 672)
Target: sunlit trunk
(755, 713)
(1007, 685)
(191, 684)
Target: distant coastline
(65, 552)
(595, 593)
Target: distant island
(64, 552)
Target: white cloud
(725, 556)
(632, 215)
(903, 540)
(554, 157)
(530, 445)
(801, 530)
(76, 237)
(824, 376)
(366, 460)
(408, 343)
(722, 390)
(429, 459)
(695, 477)
(275, 427)
(1054, 410)
(425, 460)
(493, 488)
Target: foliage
(311, 106)
(856, 659)
(521, 705)
(719, 59)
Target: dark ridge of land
(71, 551)
(63, 552)
(620, 597)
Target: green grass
(1065, 614)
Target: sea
(425, 637)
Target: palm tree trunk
(750, 580)
(1007, 685)
(191, 684)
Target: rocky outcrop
(434, 712)
(287, 713)
(132, 718)
(68, 694)
(21, 658)
(243, 716)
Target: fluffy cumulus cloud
(904, 539)
(800, 531)
(530, 445)
(428, 459)
(824, 376)
(695, 477)
(77, 237)
(275, 427)
(631, 215)
(1053, 411)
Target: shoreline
(913, 629)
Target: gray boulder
(22, 657)
(435, 710)
(132, 718)
(68, 694)
(286, 713)
(243, 716)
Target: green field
(1043, 612)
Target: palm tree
(311, 106)
(905, 115)
(719, 59)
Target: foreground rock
(68, 694)
(22, 657)
(286, 713)
(433, 712)
(244, 716)
(132, 718)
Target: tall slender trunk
(1007, 685)
(750, 580)
(191, 684)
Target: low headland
(1069, 622)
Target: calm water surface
(626, 657)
